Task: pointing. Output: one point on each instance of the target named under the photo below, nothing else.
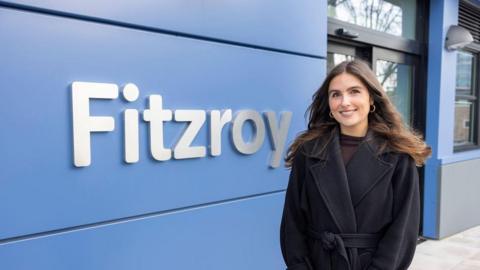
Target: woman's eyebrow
(349, 88)
(355, 86)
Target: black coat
(362, 216)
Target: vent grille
(469, 18)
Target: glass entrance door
(396, 72)
(338, 52)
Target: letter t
(156, 116)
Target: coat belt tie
(333, 242)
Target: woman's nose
(345, 100)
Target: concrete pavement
(458, 252)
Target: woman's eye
(334, 95)
(355, 91)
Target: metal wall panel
(235, 236)
(297, 26)
(459, 200)
(42, 55)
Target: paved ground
(457, 252)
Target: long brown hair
(385, 121)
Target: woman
(352, 200)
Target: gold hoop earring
(331, 115)
(374, 108)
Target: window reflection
(465, 62)
(465, 99)
(334, 59)
(396, 79)
(463, 122)
(392, 17)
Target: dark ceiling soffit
(373, 37)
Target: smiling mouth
(348, 112)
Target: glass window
(463, 122)
(465, 70)
(467, 88)
(397, 81)
(465, 99)
(393, 17)
(334, 59)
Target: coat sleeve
(396, 248)
(293, 226)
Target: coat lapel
(342, 189)
(365, 170)
(331, 181)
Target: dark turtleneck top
(349, 145)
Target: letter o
(240, 119)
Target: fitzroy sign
(84, 124)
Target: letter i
(130, 93)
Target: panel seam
(132, 218)
(110, 22)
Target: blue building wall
(451, 178)
(206, 213)
(439, 91)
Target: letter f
(83, 123)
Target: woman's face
(349, 102)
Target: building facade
(150, 134)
